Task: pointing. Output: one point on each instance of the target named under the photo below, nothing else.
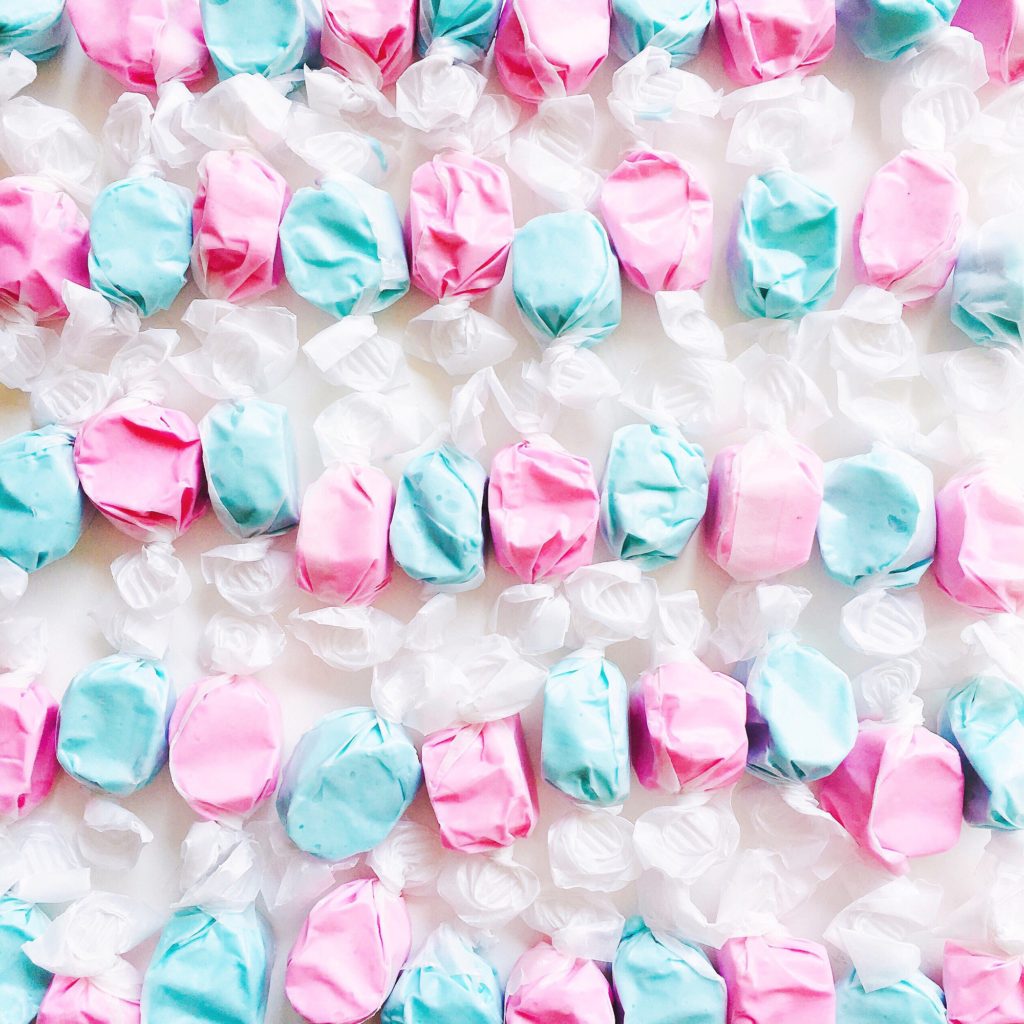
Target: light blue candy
(677, 26)
(262, 37)
(801, 719)
(655, 984)
(342, 246)
(35, 28)
(784, 252)
(565, 278)
(41, 503)
(22, 983)
(585, 744)
(916, 1000)
(249, 457)
(113, 724)
(348, 781)
(437, 532)
(884, 29)
(984, 720)
(140, 242)
(463, 28)
(654, 495)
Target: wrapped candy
(916, 1000)
(368, 40)
(284, 37)
(35, 28)
(997, 25)
(547, 984)
(465, 30)
(885, 29)
(22, 984)
(784, 251)
(982, 988)
(28, 745)
(675, 26)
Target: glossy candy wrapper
(917, 1000)
(369, 40)
(676, 26)
(22, 983)
(982, 988)
(999, 26)
(463, 28)
(549, 985)
(885, 29)
(35, 28)
(28, 748)
(284, 36)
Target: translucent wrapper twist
(675, 26)
(549, 985)
(35, 28)
(369, 40)
(886, 29)
(463, 28)
(28, 748)
(284, 36)
(999, 26)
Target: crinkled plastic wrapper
(549, 985)
(915, 1000)
(999, 26)
(44, 241)
(80, 999)
(369, 40)
(676, 26)
(282, 38)
(981, 988)
(22, 983)
(28, 748)
(348, 781)
(35, 28)
(463, 28)
(885, 29)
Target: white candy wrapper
(458, 338)
(353, 353)
(243, 111)
(610, 602)
(253, 577)
(137, 634)
(995, 644)
(778, 394)
(889, 623)
(749, 614)
(349, 639)
(220, 869)
(238, 647)
(579, 926)
(358, 104)
(24, 649)
(152, 581)
(408, 860)
(487, 891)
(366, 427)
(110, 837)
(887, 692)
(39, 864)
(592, 849)
(574, 377)
(534, 616)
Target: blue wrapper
(41, 502)
(348, 781)
(463, 28)
(885, 29)
(22, 983)
(35, 28)
(915, 1000)
(262, 37)
(249, 458)
(677, 26)
(113, 724)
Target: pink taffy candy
(143, 43)
(28, 747)
(659, 216)
(899, 793)
(347, 956)
(44, 241)
(481, 785)
(460, 226)
(82, 1001)
(225, 746)
(980, 988)
(765, 39)
(999, 26)
(236, 253)
(547, 986)
(907, 233)
(142, 467)
(688, 728)
(544, 50)
(341, 547)
(979, 546)
(763, 503)
(369, 40)
(544, 507)
(777, 980)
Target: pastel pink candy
(143, 43)
(341, 547)
(999, 26)
(369, 40)
(142, 467)
(544, 50)
(899, 793)
(980, 988)
(460, 226)
(82, 1001)
(687, 728)
(225, 741)
(28, 748)
(763, 503)
(979, 547)
(907, 234)
(550, 987)
(765, 39)
(544, 508)
(481, 785)
(240, 201)
(777, 980)
(347, 956)
(659, 217)
(44, 241)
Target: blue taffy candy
(22, 983)
(884, 29)
(801, 718)
(140, 242)
(348, 781)
(654, 494)
(35, 28)
(915, 1000)
(784, 251)
(343, 248)
(249, 458)
(565, 278)
(113, 724)
(585, 744)
(41, 503)
(659, 984)
(677, 26)
(463, 28)
(271, 39)
(984, 720)
(437, 532)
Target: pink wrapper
(765, 39)
(763, 503)
(899, 793)
(550, 987)
(980, 988)
(44, 241)
(544, 50)
(778, 980)
(544, 506)
(979, 546)
(28, 748)
(688, 728)
(347, 956)
(143, 43)
(81, 1001)
(142, 467)
(999, 26)
(481, 785)
(341, 547)
(366, 38)
(459, 226)
(659, 217)
(225, 741)
(236, 253)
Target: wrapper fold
(463, 28)
(675, 26)
(369, 40)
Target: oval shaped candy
(885, 29)
(677, 26)
(463, 28)
(369, 40)
(999, 26)
(28, 749)
(915, 1000)
(549, 985)
(981, 988)
(35, 28)
(22, 983)
(282, 38)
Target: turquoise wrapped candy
(41, 503)
(35, 28)
(22, 983)
(113, 724)
(885, 29)
(677, 26)
(463, 28)
(269, 38)
(916, 1000)
(784, 252)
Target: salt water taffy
(885, 29)
(36, 28)
(463, 28)
(284, 37)
(22, 984)
(676, 26)
(988, 283)
(28, 745)
(368, 40)
(547, 984)
(999, 27)
(915, 1000)
(980, 987)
